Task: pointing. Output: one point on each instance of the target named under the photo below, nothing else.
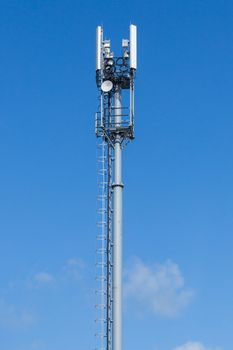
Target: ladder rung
(100, 306)
(101, 250)
(101, 237)
(101, 278)
(100, 335)
(100, 292)
(100, 264)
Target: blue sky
(177, 173)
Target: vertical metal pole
(109, 238)
(117, 230)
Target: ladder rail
(104, 238)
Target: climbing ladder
(104, 246)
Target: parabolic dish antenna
(106, 86)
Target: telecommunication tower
(114, 127)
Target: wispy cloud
(74, 268)
(40, 279)
(158, 287)
(14, 317)
(195, 346)
(43, 277)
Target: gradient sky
(178, 173)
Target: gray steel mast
(114, 126)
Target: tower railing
(105, 126)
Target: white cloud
(39, 280)
(195, 346)
(71, 270)
(14, 317)
(159, 287)
(43, 277)
(74, 268)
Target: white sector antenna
(106, 86)
(99, 35)
(133, 46)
